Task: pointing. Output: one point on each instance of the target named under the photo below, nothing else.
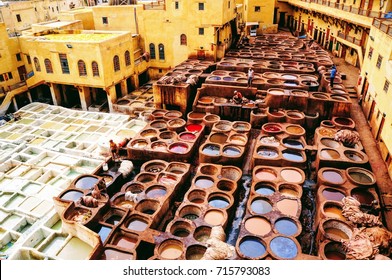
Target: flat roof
(81, 37)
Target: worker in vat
(250, 76)
(114, 149)
(237, 97)
(332, 75)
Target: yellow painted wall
(382, 45)
(85, 15)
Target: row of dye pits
(271, 221)
(333, 185)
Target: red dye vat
(194, 127)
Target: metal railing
(347, 8)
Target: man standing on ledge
(250, 77)
(333, 74)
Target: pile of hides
(348, 137)
(217, 248)
(352, 212)
(192, 80)
(126, 168)
(166, 80)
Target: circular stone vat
(286, 226)
(139, 144)
(271, 128)
(86, 182)
(258, 225)
(360, 176)
(136, 223)
(241, 127)
(292, 143)
(177, 168)
(336, 230)
(251, 248)
(330, 143)
(354, 156)
(172, 114)
(295, 130)
(231, 173)
(214, 217)
(205, 100)
(181, 228)
(179, 148)
(231, 151)
(363, 196)
(319, 95)
(167, 179)
(264, 188)
(333, 251)
(267, 152)
(197, 196)
(290, 190)
(343, 122)
(145, 177)
(190, 212)
(269, 141)
(261, 206)
(159, 146)
(209, 169)
(148, 133)
(158, 124)
(168, 135)
(156, 191)
(288, 206)
(133, 187)
(204, 182)
(218, 138)
(195, 252)
(147, 206)
(266, 174)
(176, 124)
(332, 194)
(196, 116)
(71, 195)
(238, 139)
(155, 166)
(226, 186)
(292, 175)
(333, 176)
(187, 136)
(329, 154)
(219, 200)
(292, 155)
(223, 126)
(283, 247)
(202, 233)
(332, 209)
(211, 150)
(170, 249)
(194, 127)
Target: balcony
(350, 39)
(158, 5)
(384, 25)
(341, 6)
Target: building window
(370, 54)
(201, 6)
(82, 68)
(64, 63)
(152, 51)
(176, 5)
(36, 64)
(386, 86)
(10, 75)
(379, 61)
(161, 49)
(28, 59)
(52, 10)
(94, 67)
(18, 57)
(18, 18)
(105, 20)
(127, 57)
(201, 31)
(116, 63)
(257, 9)
(1, 78)
(183, 39)
(48, 66)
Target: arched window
(82, 68)
(116, 63)
(36, 64)
(161, 49)
(48, 66)
(183, 39)
(94, 66)
(127, 57)
(152, 51)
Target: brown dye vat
(288, 207)
(295, 130)
(214, 217)
(354, 156)
(147, 206)
(181, 228)
(171, 249)
(197, 196)
(133, 187)
(177, 168)
(258, 225)
(172, 114)
(114, 216)
(145, 178)
(176, 125)
(238, 139)
(167, 135)
(154, 166)
(231, 173)
(329, 154)
(209, 169)
(139, 144)
(195, 117)
(226, 186)
(295, 117)
(331, 250)
(149, 133)
(363, 196)
(158, 124)
(195, 252)
(202, 233)
(159, 146)
(219, 138)
(360, 176)
(124, 240)
(290, 190)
